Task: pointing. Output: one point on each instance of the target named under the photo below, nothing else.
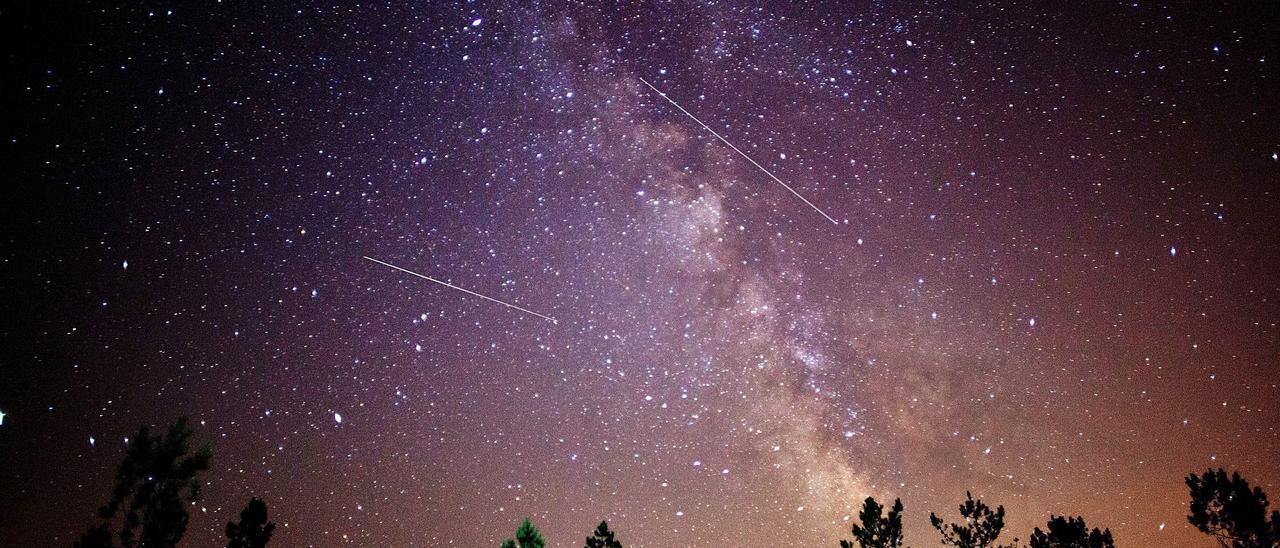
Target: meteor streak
(467, 291)
(740, 153)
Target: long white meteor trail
(740, 153)
(467, 291)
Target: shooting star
(740, 153)
(467, 291)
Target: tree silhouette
(96, 537)
(157, 479)
(527, 536)
(980, 529)
(877, 530)
(253, 531)
(1231, 512)
(1070, 532)
(602, 538)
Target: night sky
(1053, 277)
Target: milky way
(1051, 279)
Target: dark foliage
(96, 537)
(253, 531)
(1231, 511)
(602, 538)
(980, 528)
(154, 484)
(1070, 532)
(877, 530)
(527, 536)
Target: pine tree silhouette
(157, 479)
(1232, 512)
(527, 536)
(877, 530)
(602, 538)
(1070, 532)
(253, 531)
(96, 537)
(980, 528)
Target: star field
(1052, 279)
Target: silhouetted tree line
(155, 483)
(1226, 508)
(157, 480)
